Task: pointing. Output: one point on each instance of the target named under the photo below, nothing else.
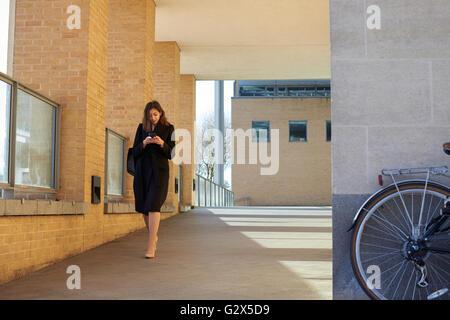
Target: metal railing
(210, 194)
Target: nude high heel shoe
(151, 255)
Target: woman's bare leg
(153, 226)
(146, 220)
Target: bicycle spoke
(390, 234)
(423, 199)
(437, 256)
(429, 209)
(396, 217)
(381, 255)
(441, 281)
(395, 275)
(375, 216)
(409, 281)
(404, 205)
(384, 239)
(414, 286)
(382, 247)
(406, 212)
(403, 260)
(401, 214)
(403, 274)
(386, 279)
(447, 273)
(435, 209)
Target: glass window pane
(35, 141)
(261, 131)
(5, 109)
(115, 167)
(297, 131)
(328, 130)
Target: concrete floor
(206, 254)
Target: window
(328, 125)
(301, 89)
(29, 137)
(115, 164)
(35, 141)
(256, 91)
(282, 91)
(297, 131)
(261, 130)
(5, 110)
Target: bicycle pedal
(437, 294)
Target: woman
(152, 149)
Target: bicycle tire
(381, 199)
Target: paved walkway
(205, 254)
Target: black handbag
(131, 162)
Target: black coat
(150, 182)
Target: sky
(4, 23)
(4, 26)
(205, 104)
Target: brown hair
(153, 105)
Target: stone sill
(128, 207)
(22, 207)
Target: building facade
(300, 111)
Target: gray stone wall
(390, 104)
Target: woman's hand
(158, 141)
(147, 141)
(155, 139)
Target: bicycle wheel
(381, 245)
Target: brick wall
(187, 118)
(129, 87)
(72, 68)
(304, 173)
(166, 61)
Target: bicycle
(401, 237)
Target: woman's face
(154, 115)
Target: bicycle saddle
(446, 147)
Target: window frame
(109, 197)
(257, 134)
(326, 130)
(306, 130)
(11, 184)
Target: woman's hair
(153, 105)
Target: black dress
(151, 180)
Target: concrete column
(166, 63)
(187, 121)
(390, 105)
(219, 116)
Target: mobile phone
(151, 134)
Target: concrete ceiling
(248, 39)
